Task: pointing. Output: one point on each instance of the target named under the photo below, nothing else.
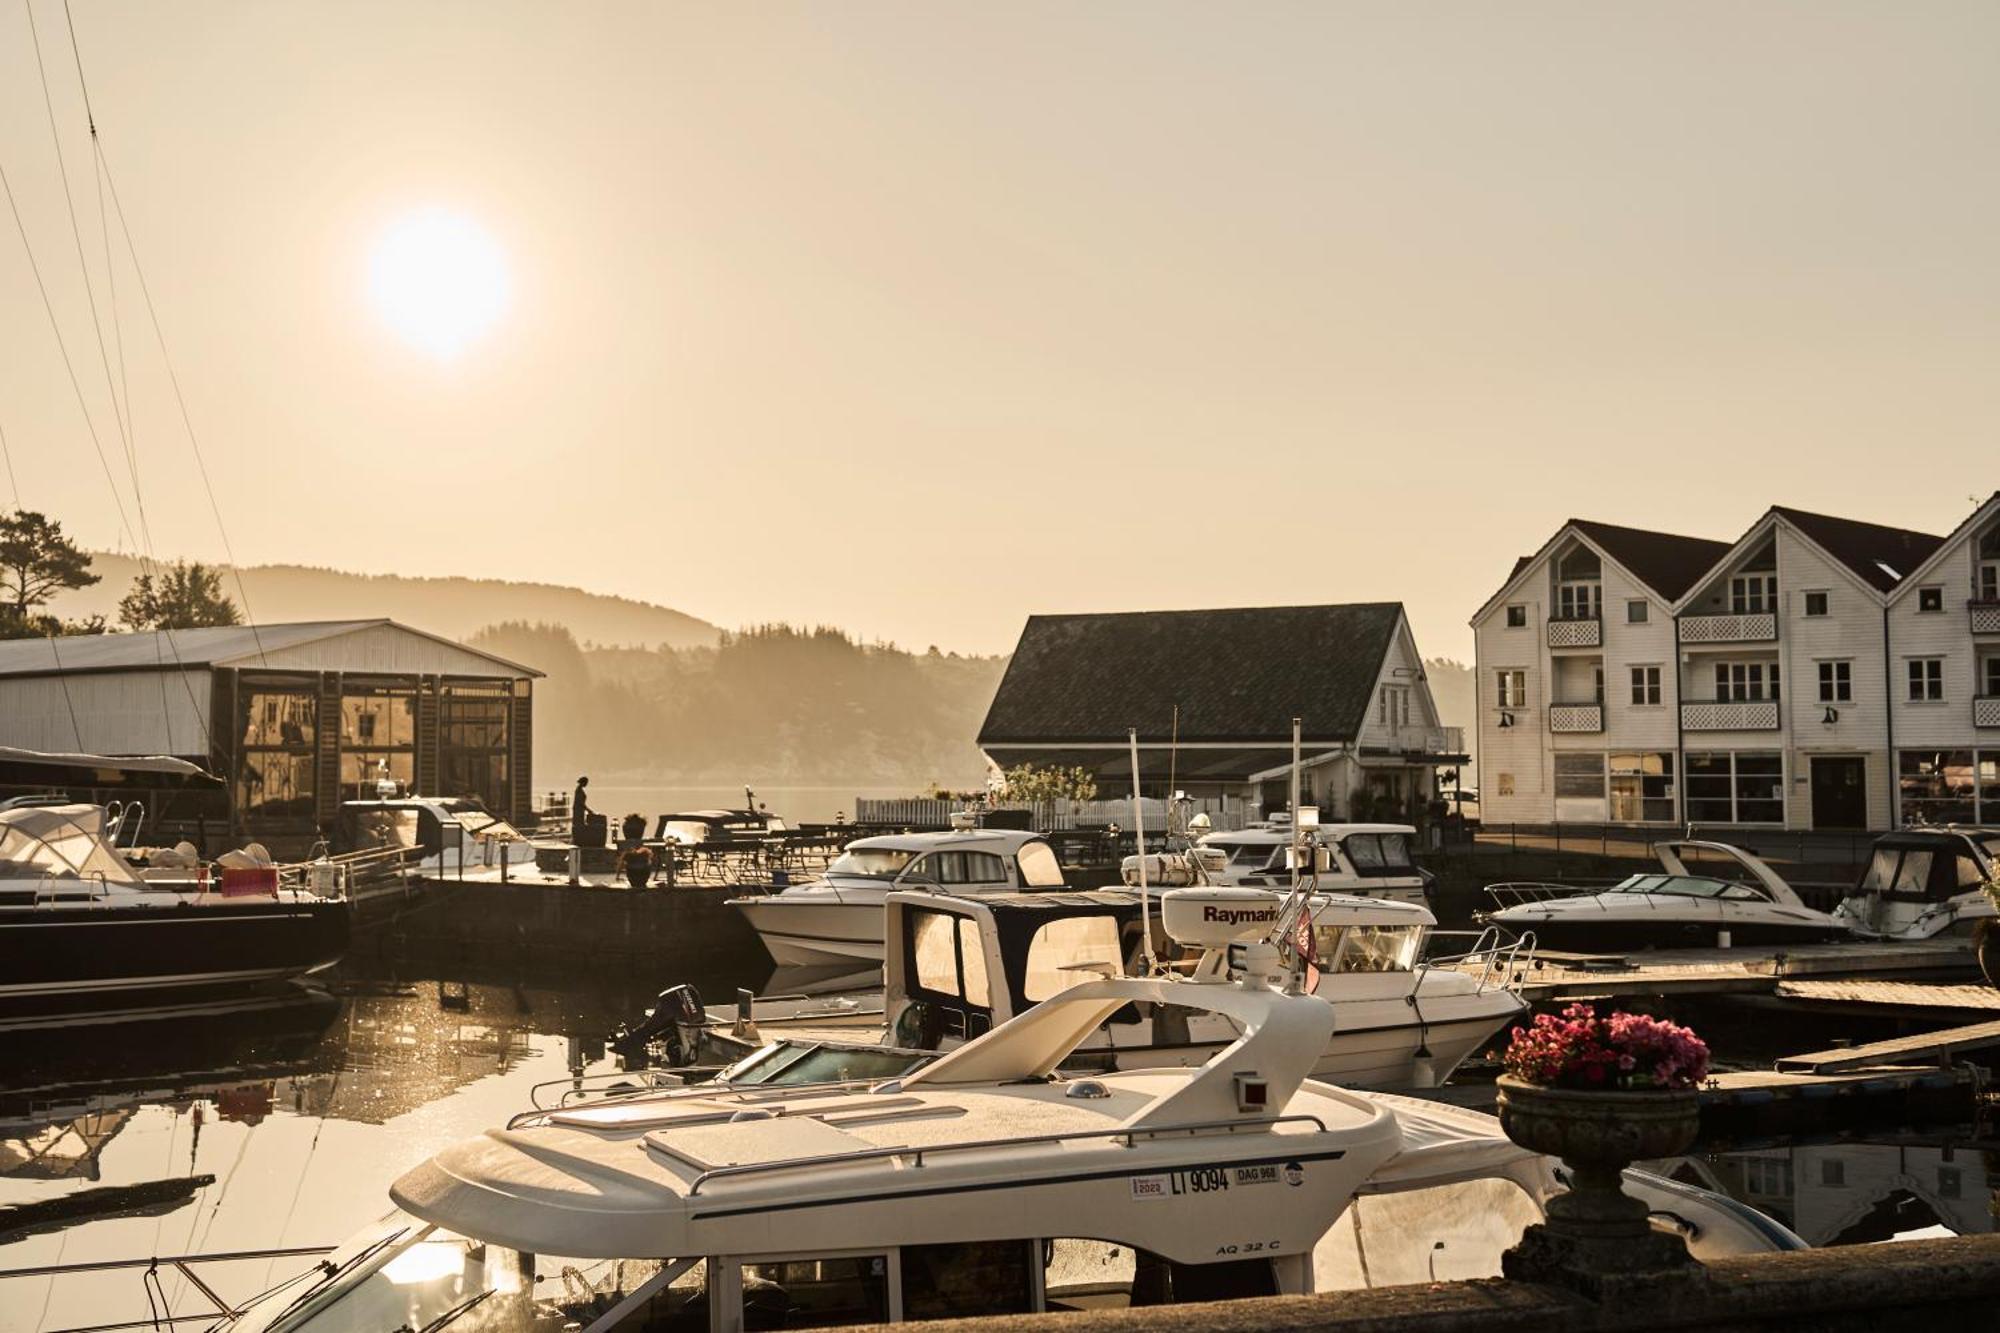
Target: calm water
(304, 1111)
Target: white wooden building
(1816, 673)
(294, 717)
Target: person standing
(579, 812)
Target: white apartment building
(1817, 673)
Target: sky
(921, 318)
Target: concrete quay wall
(1930, 1285)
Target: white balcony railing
(1985, 617)
(1576, 633)
(1426, 740)
(1576, 718)
(1757, 627)
(1986, 711)
(1734, 715)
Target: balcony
(1576, 633)
(1576, 719)
(1985, 617)
(1986, 710)
(1736, 715)
(1426, 740)
(1753, 627)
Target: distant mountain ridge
(455, 607)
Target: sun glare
(439, 280)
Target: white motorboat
(837, 919)
(1365, 860)
(1675, 908)
(1924, 882)
(958, 967)
(983, 1183)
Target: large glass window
(818, 1293)
(1742, 681)
(473, 724)
(1642, 788)
(961, 1281)
(1579, 775)
(277, 728)
(1376, 949)
(1733, 788)
(1750, 594)
(947, 956)
(378, 740)
(1939, 786)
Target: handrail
(1502, 956)
(219, 1257)
(916, 1152)
(750, 1094)
(1520, 892)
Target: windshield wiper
(330, 1272)
(450, 1315)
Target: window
(822, 1292)
(1988, 585)
(1372, 948)
(962, 868)
(1930, 598)
(977, 1278)
(472, 744)
(1578, 601)
(1750, 594)
(1645, 685)
(1392, 707)
(1991, 676)
(1832, 1171)
(947, 957)
(1068, 953)
(1735, 788)
(1637, 611)
(1642, 788)
(1944, 787)
(1517, 617)
(1379, 853)
(1768, 1176)
(1949, 1182)
(1512, 691)
(1926, 679)
(1737, 682)
(1836, 682)
(1579, 776)
(1503, 784)
(275, 765)
(1039, 867)
(1815, 603)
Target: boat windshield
(789, 1063)
(404, 1273)
(1684, 886)
(871, 862)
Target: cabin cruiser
(985, 1182)
(1365, 860)
(692, 828)
(837, 919)
(1922, 882)
(76, 918)
(447, 834)
(1750, 904)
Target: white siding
(378, 650)
(1401, 668)
(1851, 631)
(117, 713)
(1519, 751)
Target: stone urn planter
(1595, 1231)
(1986, 940)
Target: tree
(183, 596)
(37, 562)
(1025, 782)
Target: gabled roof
(1667, 563)
(1881, 557)
(1240, 674)
(223, 645)
(1984, 510)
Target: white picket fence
(1224, 813)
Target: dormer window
(1753, 594)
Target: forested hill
(775, 704)
(454, 607)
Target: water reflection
(1860, 1193)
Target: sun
(439, 280)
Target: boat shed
(1213, 695)
(295, 718)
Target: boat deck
(1749, 971)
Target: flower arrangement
(1620, 1052)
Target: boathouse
(295, 718)
(1213, 695)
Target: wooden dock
(1937, 1047)
(1662, 972)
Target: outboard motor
(676, 1008)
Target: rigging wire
(13, 484)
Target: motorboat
(1365, 860)
(1924, 882)
(984, 1182)
(837, 918)
(1747, 904)
(76, 918)
(441, 834)
(960, 966)
(693, 828)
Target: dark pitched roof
(1666, 562)
(1883, 557)
(1238, 675)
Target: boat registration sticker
(1152, 1187)
(1254, 1175)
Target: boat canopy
(60, 768)
(61, 842)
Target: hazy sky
(919, 318)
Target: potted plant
(1599, 1092)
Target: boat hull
(807, 933)
(1384, 1057)
(113, 950)
(1575, 935)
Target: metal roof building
(295, 717)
